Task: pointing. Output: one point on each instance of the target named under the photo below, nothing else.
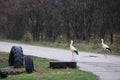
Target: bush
(27, 37)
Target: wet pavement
(106, 68)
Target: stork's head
(102, 40)
(71, 41)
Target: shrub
(27, 36)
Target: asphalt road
(106, 68)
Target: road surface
(106, 68)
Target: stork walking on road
(73, 50)
(105, 47)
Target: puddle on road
(90, 56)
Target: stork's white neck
(102, 41)
(71, 43)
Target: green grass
(46, 44)
(45, 73)
(3, 60)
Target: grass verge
(45, 73)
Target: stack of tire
(16, 59)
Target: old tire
(16, 57)
(11, 57)
(29, 64)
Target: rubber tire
(16, 57)
(29, 66)
(11, 57)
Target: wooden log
(3, 74)
(10, 71)
(55, 65)
(5, 71)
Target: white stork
(73, 50)
(105, 47)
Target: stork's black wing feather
(76, 52)
(109, 49)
